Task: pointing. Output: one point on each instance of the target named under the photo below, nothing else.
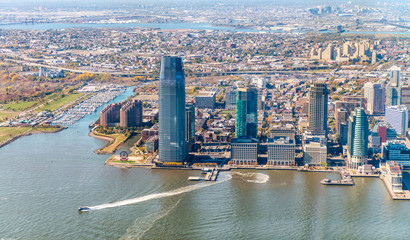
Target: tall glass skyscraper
(357, 145)
(246, 112)
(318, 109)
(172, 139)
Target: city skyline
(204, 119)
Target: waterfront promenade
(347, 175)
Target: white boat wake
(253, 177)
(222, 178)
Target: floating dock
(346, 180)
(337, 182)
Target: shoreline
(405, 195)
(110, 141)
(28, 133)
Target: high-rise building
(340, 117)
(172, 138)
(281, 151)
(318, 99)
(230, 99)
(395, 76)
(374, 57)
(205, 99)
(397, 116)
(110, 115)
(347, 49)
(393, 96)
(244, 150)
(329, 53)
(189, 124)
(246, 112)
(405, 96)
(374, 94)
(314, 153)
(357, 141)
(131, 114)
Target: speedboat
(83, 209)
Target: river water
(44, 178)
(168, 26)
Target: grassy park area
(19, 106)
(5, 115)
(9, 132)
(116, 140)
(51, 106)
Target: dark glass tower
(172, 139)
(318, 109)
(246, 112)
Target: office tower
(230, 99)
(374, 57)
(314, 153)
(341, 116)
(131, 114)
(405, 96)
(190, 124)
(397, 116)
(172, 144)
(374, 94)
(343, 132)
(244, 150)
(357, 141)
(205, 99)
(395, 76)
(318, 98)
(393, 96)
(246, 112)
(281, 151)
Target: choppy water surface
(46, 177)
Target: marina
(88, 106)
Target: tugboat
(83, 209)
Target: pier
(211, 175)
(346, 180)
